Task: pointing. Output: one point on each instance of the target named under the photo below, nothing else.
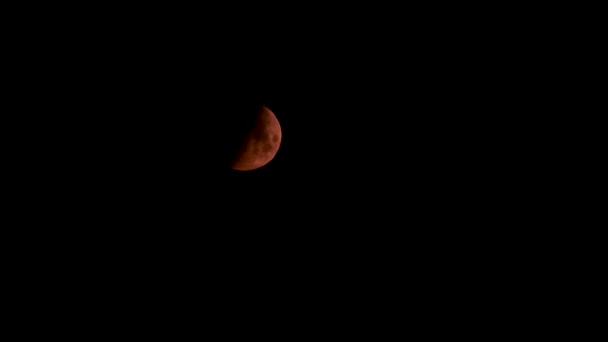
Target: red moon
(261, 144)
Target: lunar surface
(262, 143)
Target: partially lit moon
(261, 144)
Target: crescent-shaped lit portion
(262, 144)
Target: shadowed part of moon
(261, 144)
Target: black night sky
(390, 128)
(410, 166)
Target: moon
(261, 144)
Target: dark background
(408, 171)
(396, 131)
